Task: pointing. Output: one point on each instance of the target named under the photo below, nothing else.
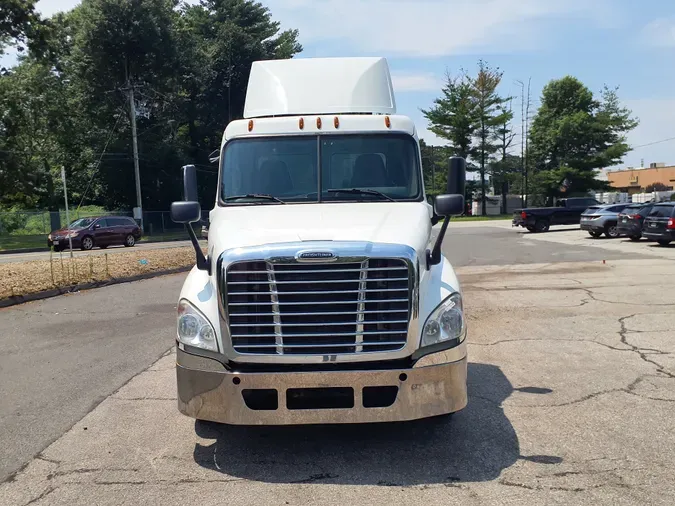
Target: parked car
(539, 219)
(602, 219)
(631, 220)
(86, 233)
(659, 225)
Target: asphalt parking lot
(571, 396)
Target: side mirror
(450, 204)
(456, 176)
(190, 184)
(189, 211)
(186, 212)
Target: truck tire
(530, 229)
(541, 226)
(663, 242)
(635, 237)
(611, 231)
(594, 234)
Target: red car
(86, 233)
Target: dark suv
(86, 233)
(631, 220)
(659, 226)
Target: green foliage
(452, 116)
(656, 187)
(19, 22)
(188, 66)
(573, 135)
(10, 220)
(473, 117)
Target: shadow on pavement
(476, 444)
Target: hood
(64, 231)
(379, 222)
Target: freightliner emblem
(316, 256)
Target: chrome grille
(318, 308)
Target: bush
(11, 219)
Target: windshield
(287, 168)
(82, 223)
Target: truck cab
(323, 295)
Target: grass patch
(23, 278)
(12, 242)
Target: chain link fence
(29, 229)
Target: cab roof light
(318, 123)
(387, 121)
(336, 122)
(250, 125)
(301, 123)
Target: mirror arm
(203, 263)
(434, 255)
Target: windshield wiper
(261, 196)
(361, 191)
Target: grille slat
(280, 308)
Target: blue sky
(625, 43)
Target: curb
(46, 294)
(23, 250)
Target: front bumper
(435, 385)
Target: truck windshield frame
(300, 169)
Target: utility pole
(137, 174)
(522, 142)
(65, 194)
(138, 210)
(527, 128)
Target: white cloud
(428, 28)
(660, 33)
(410, 81)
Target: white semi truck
(323, 296)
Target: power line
(110, 135)
(669, 139)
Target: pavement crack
(143, 398)
(538, 488)
(623, 334)
(545, 339)
(44, 494)
(317, 477)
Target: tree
(434, 168)
(20, 23)
(188, 66)
(573, 135)
(505, 168)
(453, 115)
(491, 116)
(656, 187)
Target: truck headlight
(445, 323)
(194, 329)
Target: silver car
(602, 219)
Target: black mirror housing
(186, 212)
(190, 183)
(456, 176)
(449, 205)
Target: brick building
(636, 180)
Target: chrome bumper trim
(433, 387)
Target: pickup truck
(566, 212)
